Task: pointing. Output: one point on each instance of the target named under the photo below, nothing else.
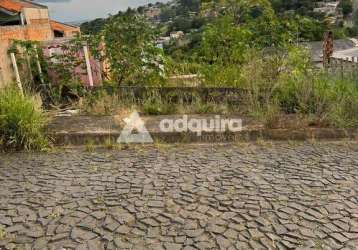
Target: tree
(302, 7)
(191, 5)
(93, 27)
(223, 43)
(258, 18)
(131, 52)
(306, 28)
(346, 6)
(243, 25)
(167, 13)
(181, 23)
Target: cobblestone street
(242, 196)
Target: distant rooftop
(316, 48)
(55, 25)
(348, 53)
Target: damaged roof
(62, 26)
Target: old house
(64, 30)
(331, 10)
(26, 20)
(152, 13)
(176, 35)
(328, 8)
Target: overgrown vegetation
(131, 52)
(22, 121)
(247, 44)
(53, 77)
(289, 84)
(153, 103)
(268, 95)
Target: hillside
(314, 17)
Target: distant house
(26, 20)
(152, 13)
(176, 35)
(161, 41)
(330, 10)
(64, 30)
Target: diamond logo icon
(134, 123)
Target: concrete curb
(99, 138)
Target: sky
(82, 10)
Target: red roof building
(26, 20)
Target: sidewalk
(77, 130)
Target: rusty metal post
(327, 48)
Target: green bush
(21, 122)
(221, 76)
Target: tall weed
(22, 121)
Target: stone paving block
(198, 197)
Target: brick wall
(6, 72)
(36, 32)
(40, 21)
(32, 15)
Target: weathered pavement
(281, 196)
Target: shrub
(22, 121)
(339, 99)
(221, 76)
(331, 100)
(131, 51)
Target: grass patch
(151, 103)
(89, 146)
(22, 121)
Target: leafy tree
(181, 23)
(306, 28)
(191, 5)
(223, 42)
(257, 19)
(347, 7)
(131, 51)
(94, 26)
(167, 13)
(302, 7)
